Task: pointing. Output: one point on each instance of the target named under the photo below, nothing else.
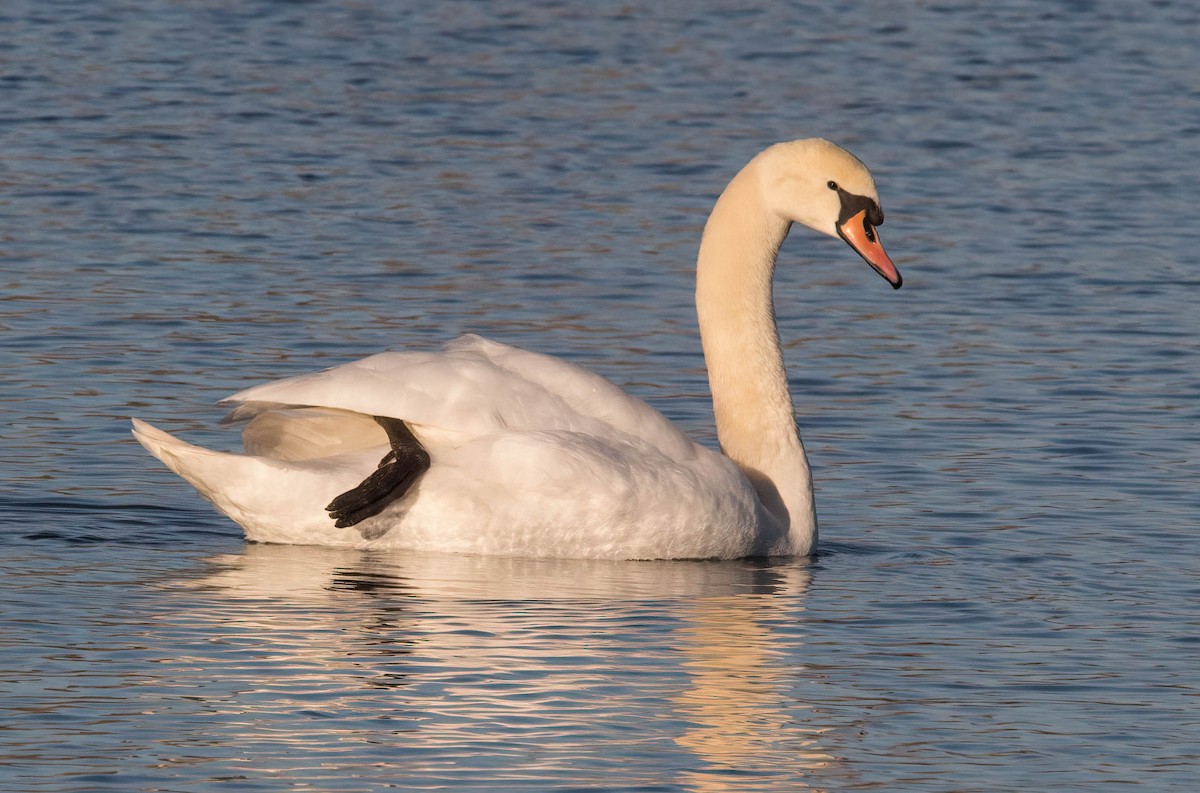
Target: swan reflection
(739, 712)
(588, 667)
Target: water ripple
(198, 196)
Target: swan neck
(752, 406)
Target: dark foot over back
(397, 472)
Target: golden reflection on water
(536, 653)
(741, 719)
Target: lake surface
(199, 196)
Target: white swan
(494, 450)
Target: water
(195, 197)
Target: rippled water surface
(198, 196)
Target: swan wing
(474, 386)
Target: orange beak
(860, 235)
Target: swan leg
(397, 471)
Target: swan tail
(183, 458)
(272, 500)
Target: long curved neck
(756, 421)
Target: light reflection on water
(497, 663)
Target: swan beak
(864, 239)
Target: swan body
(529, 455)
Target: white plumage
(534, 456)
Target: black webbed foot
(397, 472)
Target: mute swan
(485, 448)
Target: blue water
(195, 197)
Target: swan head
(828, 189)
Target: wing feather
(477, 386)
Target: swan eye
(833, 185)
